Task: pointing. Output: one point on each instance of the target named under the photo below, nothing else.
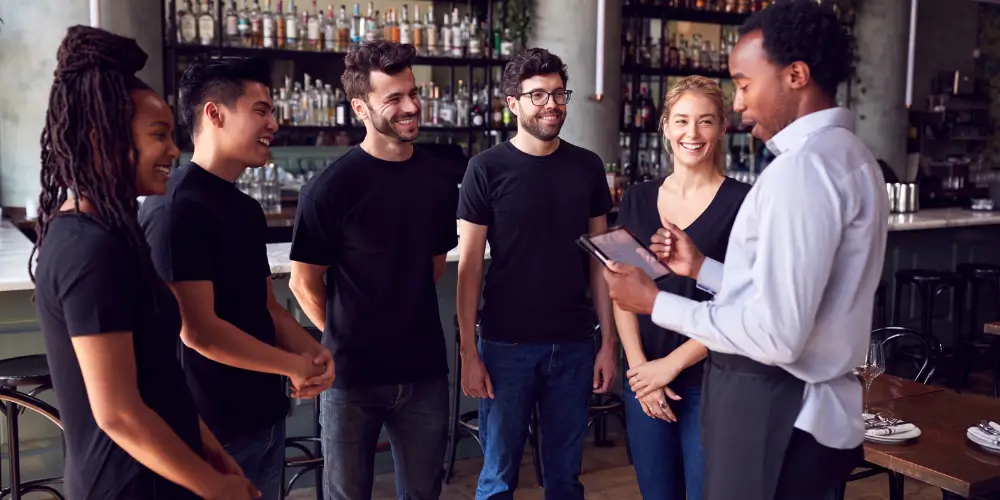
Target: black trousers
(752, 449)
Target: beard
(384, 125)
(542, 131)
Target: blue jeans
(559, 379)
(261, 455)
(415, 417)
(667, 456)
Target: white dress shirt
(804, 259)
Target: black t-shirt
(205, 229)
(535, 208)
(378, 225)
(709, 232)
(88, 282)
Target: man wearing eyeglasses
(531, 198)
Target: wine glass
(873, 366)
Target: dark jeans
(559, 379)
(416, 419)
(667, 456)
(261, 455)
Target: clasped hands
(314, 373)
(634, 291)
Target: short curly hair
(530, 63)
(802, 30)
(374, 55)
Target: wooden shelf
(678, 14)
(299, 55)
(650, 71)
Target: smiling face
(245, 129)
(543, 122)
(153, 133)
(694, 128)
(392, 106)
(763, 94)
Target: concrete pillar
(882, 31)
(29, 38)
(589, 124)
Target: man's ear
(212, 114)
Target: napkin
(890, 430)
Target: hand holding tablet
(621, 245)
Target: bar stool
(466, 425)
(25, 371)
(604, 406)
(977, 274)
(928, 284)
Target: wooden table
(942, 456)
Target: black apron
(748, 414)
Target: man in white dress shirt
(792, 314)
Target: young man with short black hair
(792, 316)
(531, 198)
(377, 224)
(208, 243)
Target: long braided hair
(87, 143)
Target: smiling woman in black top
(111, 326)
(663, 421)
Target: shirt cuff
(669, 311)
(710, 275)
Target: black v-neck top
(710, 233)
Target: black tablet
(620, 245)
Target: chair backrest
(917, 348)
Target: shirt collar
(806, 125)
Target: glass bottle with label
(417, 30)
(269, 35)
(291, 27)
(313, 28)
(206, 24)
(188, 24)
(405, 33)
(232, 24)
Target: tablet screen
(622, 246)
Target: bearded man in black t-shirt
(371, 237)
(531, 198)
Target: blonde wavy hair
(704, 86)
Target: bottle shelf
(681, 14)
(192, 50)
(635, 69)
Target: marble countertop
(277, 257)
(15, 247)
(937, 218)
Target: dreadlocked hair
(87, 143)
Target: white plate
(986, 446)
(902, 437)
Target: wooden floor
(606, 476)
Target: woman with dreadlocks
(111, 326)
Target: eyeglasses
(541, 97)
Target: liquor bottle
(446, 35)
(393, 26)
(291, 27)
(232, 24)
(371, 23)
(206, 24)
(343, 30)
(506, 44)
(256, 30)
(270, 35)
(417, 28)
(405, 33)
(243, 24)
(280, 30)
(461, 99)
(431, 31)
(357, 25)
(464, 35)
(313, 28)
(436, 107)
(457, 36)
(628, 112)
(478, 113)
(343, 112)
(330, 36)
(446, 108)
(188, 24)
(475, 42)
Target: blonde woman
(663, 388)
